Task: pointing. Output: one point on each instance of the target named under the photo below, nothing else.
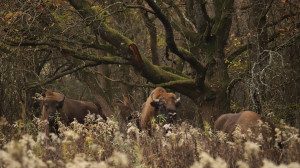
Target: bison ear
(60, 97)
(48, 93)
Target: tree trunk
(98, 93)
(211, 109)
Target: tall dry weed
(97, 143)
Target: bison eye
(154, 104)
(59, 105)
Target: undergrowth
(101, 144)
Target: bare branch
(170, 40)
(238, 51)
(69, 52)
(120, 81)
(41, 83)
(140, 7)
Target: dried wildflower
(77, 127)
(80, 162)
(207, 161)
(170, 134)
(20, 154)
(133, 132)
(222, 136)
(118, 159)
(249, 132)
(41, 138)
(27, 140)
(62, 127)
(197, 165)
(293, 165)
(237, 134)
(260, 123)
(51, 148)
(50, 164)
(193, 131)
(40, 123)
(185, 139)
(260, 138)
(112, 125)
(251, 149)
(70, 136)
(60, 163)
(118, 139)
(166, 144)
(89, 118)
(33, 162)
(55, 139)
(231, 144)
(242, 164)
(7, 160)
(167, 127)
(268, 164)
(133, 129)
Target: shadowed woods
(221, 57)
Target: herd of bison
(159, 103)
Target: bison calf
(158, 103)
(67, 109)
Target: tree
(196, 34)
(209, 84)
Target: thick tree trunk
(211, 109)
(105, 84)
(98, 93)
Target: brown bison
(66, 109)
(159, 103)
(246, 120)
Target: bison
(159, 103)
(66, 109)
(246, 120)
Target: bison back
(228, 122)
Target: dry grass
(100, 144)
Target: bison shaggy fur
(55, 103)
(160, 102)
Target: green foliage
(161, 118)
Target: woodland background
(218, 56)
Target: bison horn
(60, 97)
(177, 100)
(155, 100)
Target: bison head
(51, 104)
(166, 105)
